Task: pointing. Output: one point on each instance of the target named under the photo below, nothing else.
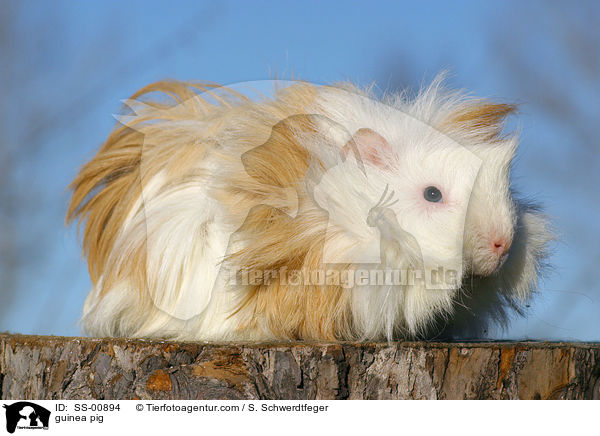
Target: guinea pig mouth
(487, 265)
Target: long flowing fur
(199, 186)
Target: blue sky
(84, 58)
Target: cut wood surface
(48, 367)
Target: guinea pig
(319, 213)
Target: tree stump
(48, 367)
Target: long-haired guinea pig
(318, 213)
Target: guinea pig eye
(432, 194)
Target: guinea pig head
(451, 186)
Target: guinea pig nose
(500, 246)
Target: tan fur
(281, 161)
(114, 173)
(293, 311)
(486, 119)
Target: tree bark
(47, 367)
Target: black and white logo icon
(26, 415)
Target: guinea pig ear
(482, 119)
(372, 148)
